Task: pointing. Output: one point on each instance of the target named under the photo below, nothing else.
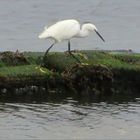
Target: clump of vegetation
(12, 59)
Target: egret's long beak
(99, 35)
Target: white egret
(66, 30)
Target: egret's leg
(46, 54)
(48, 50)
(71, 53)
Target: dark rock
(90, 79)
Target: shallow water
(64, 118)
(22, 21)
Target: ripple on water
(69, 119)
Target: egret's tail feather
(44, 34)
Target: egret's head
(91, 27)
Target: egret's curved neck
(83, 32)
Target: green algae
(100, 72)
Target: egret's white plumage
(62, 30)
(66, 30)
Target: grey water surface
(21, 21)
(70, 118)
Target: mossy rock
(90, 79)
(58, 61)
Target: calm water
(70, 118)
(21, 21)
